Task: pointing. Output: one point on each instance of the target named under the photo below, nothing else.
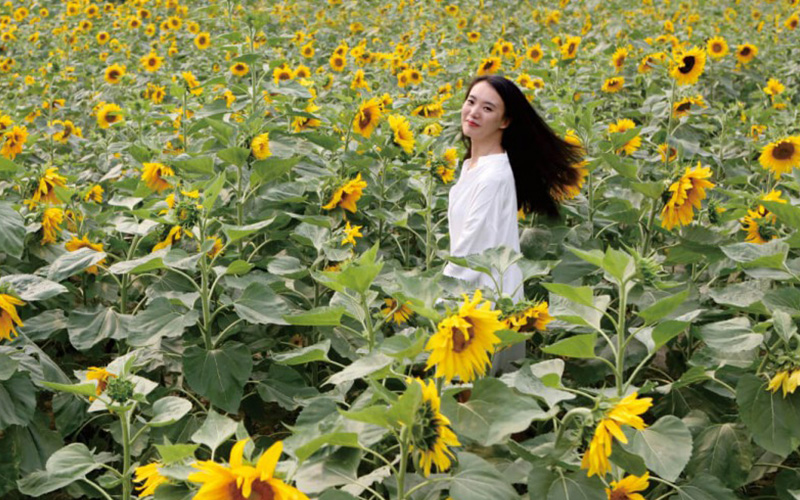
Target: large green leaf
(771, 418)
(148, 262)
(725, 451)
(771, 254)
(665, 446)
(663, 307)
(703, 487)
(285, 386)
(88, 327)
(17, 400)
(73, 263)
(235, 233)
(731, 336)
(576, 486)
(31, 288)
(579, 294)
(12, 231)
(361, 368)
(526, 382)
(269, 169)
(577, 346)
(348, 439)
(69, 464)
(493, 412)
(319, 316)
(161, 319)
(316, 352)
(477, 479)
(169, 410)
(219, 374)
(260, 305)
(216, 429)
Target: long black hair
(542, 161)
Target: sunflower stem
(124, 420)
(401, 474)
(623, 299)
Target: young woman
(513, 160)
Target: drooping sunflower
(150, 475)
(367, 117)
(431, 434)
(108, 115)
(464, 342)
(347, 195)
(114, 73)
(173, 236)
(781, 156)
(614, 84)
(717, 47)
(746, 53)
(688, 66)
(259, 146)
(759, 227)
(46, 192)
(403, 136)
(662, 151)
(153, 175)
(684, 106)
(687, 192)
(489, 66)
(95, 193)
(76, 244)
(535, 317)
(774, 87)
(68, 129)
(626, 412)
(51, 224)
(238, 480)
(240, 69)
(622, 126)
(401, 315)
(618, 58)
(151, 62)
(13, 141)
(9, 318)
(628, 487)
(787, 380)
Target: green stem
(401, 474)
(98, 488)
(623, 299)
(126, 455)
(205, 298)
(368, 322)
(428, 222)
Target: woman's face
(483, 114)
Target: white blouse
(482, 213)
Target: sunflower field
(223, 226)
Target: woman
(513, 160)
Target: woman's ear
(506, 123)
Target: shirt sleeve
(480, 231)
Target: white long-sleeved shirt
(482, 214)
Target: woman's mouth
(472, 123)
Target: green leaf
(348, 439)
(261, 306)
(784, 325)
(663, 307)
(404, 410)
(235, 156)
(149, 262)
(665, 446)
(161, 319)
(376, 415)
(320, 316)
(89, 327)
(212, 190)
(359, 275)
(703, 487)
(725, 451)
(652, 190)
(69, 464)
(493, 412)
(361, 368)
(88, 390)
(477, 479)
(730, 336)
(511, 337)
(666, 331)
(619, 265)
(770, 418)
(12, 231)
(219, 374)
(272, 168)
(7, 165)
(8, 366)
(316, 352)
(577, 346)
(771, 254)
(592, 256)
(576, 486)
(581, 295)
(787, 214)
(285, 386)
(286, 265)
(238, 267)
(17, 400)
(174, 453)
(235, 233)
(630, 463)
(198, 165)
(216, 429)
(625, 168)
(72, 263)
(169, 410)
(31, 288)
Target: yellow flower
(173, 236)
(612, 85)
(108, 115)
(464, 342)
(687, 192)
(337, 62)
(446, 174)
(535, 53)
(114, 73)
(9, 316)
(76, 244)
(569, 49)
(51, 224)
(621, 126)
(68, 130)
(217, 248)
(240, 69)
(153, 175)
(746, 53)
(46, 192)
(785, 380)
(14, 139)
(662, 151)
(307, 50)
(94, 194)
(202, 41)
(431, 434)
(717, 47)
(782, 156)
(403, 136)
(347, 195)
(774, 87)
(689, 66)
(618, 58)
(351, 233)
(192, 83)
(533, 318)
(489, 66)
(792, 22)
(151, 62)
(238, 480)
(259, 146)
(627, 487)
(401, 315)
(682, 107)
(367, 117)
(101, 375)
(151, 477)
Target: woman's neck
(485, 149)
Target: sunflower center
(113, 74)
(284, 76)
(366, 118)
(261, 490)
(688, 64)
(745, 51)
(717, 47)
(487, 65)
(618, 495)
(571, 48)
(684, 106)
(460, 343)
(783, 151)
(111, 117)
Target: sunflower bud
(119, 390)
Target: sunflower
(174, 234)
(76, 244)
(626, 412)
(489, 66)
(662, 151)
(784, 379)
(301, 123)
(684, 106)
(401, 315)
(347, 195)
(535, 317)
(569, 192)
(569, 49)
(367, 117)
(433, 130)
(403, 136)
(151, 62)
(13, 141)
(337, 62)
(351, 233)
(101, 375)
(46, 192)
(473, 36)
(51, 224)
(259, 146)
(240, 69)
(687, 192)
(621, 126)
(792, 22)
(464, 342)
(618, 58)
(108, 115)
(760, 227)
(614, 84)
(103, 37)
(303, 71)
(430, 110)
(307, 50)
(153, 175)
(8, 316)
(774, 87)
(431, 434)
(192, 83)
(535, 53)
(68, 130)
(202, 41)
(240, 481)
(282, 73)
(781, 156)
(114, 74)
(717, 47)
(94, 194)
(689, 66)
(627, 487)
(151, 476)
(445, 173)
(746, 53)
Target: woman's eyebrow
(490, 103)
